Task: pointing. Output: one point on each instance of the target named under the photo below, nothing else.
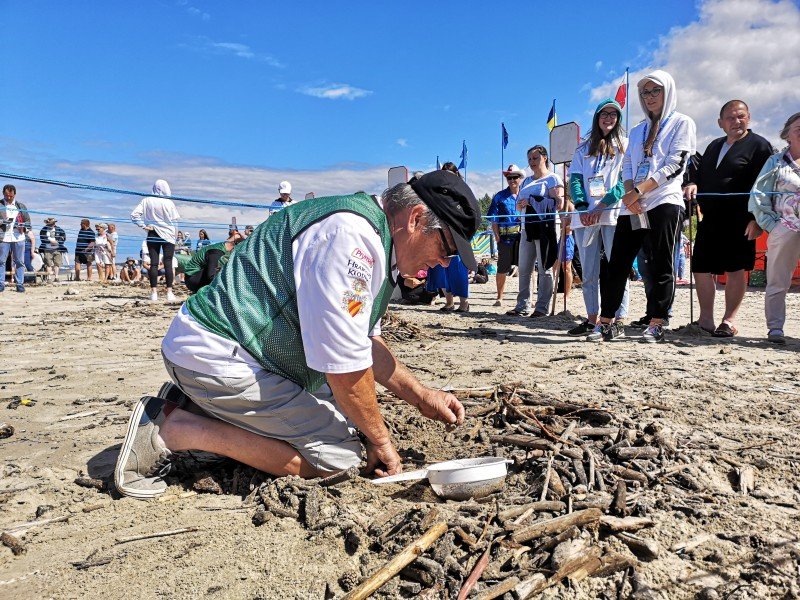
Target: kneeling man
(282, 350)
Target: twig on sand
(160, 534)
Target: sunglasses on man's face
(448, 252)
(512, 177)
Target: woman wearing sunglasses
(596, 188)
(652, 214)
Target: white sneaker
(170, 297)
(154, 297)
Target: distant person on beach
(202, 239)
(51, 247)
(657, 156)
(596, 187)
(540, 198)
(507, 227)
(113, 239)
(726, 234)
(84, 250)
(202, 267)
(775, 203)
(130, 272)
(158, 216)
(279, 356)
(102, 252)
(284, 198)
(15, 223)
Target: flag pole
(627, 99)
(502, 152)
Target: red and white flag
(622, 91)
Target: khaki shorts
(267, 404)
(52, 259)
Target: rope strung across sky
(227, 203)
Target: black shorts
(507, 252)
(84, 258)
(720, 246)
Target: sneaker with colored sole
(653, 334)
(143, 460)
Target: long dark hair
(604, 145)
(202, 235)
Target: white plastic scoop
(458, 479)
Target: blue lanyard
(660, 129)
(599, 162)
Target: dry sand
(84, 359)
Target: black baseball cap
(451, 200)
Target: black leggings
(207, 273)
(156, 246)
(659, 243)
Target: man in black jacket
(52, 240)
(726, 235)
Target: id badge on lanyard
(642, 171)
(597, 186)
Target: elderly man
(15, 223)
(506, 227)
(725, 241)
(282, 351)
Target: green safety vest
(253, 300)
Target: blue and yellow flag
(552, 119)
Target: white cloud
(402, 142)
(335, 91)
(598, 65)
(736, 49)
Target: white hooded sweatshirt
(675, 144)
(158, 212)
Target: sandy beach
(76, 357)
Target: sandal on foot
(725, 330)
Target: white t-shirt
(12, 233)
(339, 267)
(674, 146)
(532, 187)
(591, 167)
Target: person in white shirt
(158, 216)
(279, 355)
(540, 198)
(658, 153)
(596, 189)
(15, 222)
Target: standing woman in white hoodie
(158, 216)
(658, 153)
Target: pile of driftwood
(396, 329)
(573, 503)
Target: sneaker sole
(125, 451)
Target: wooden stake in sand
(394, 566)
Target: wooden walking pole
(561, 243)
(394, 566)
(689, 263)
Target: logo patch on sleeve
(354, 303)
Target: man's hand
(383, 459)
(690, 192)
(752, 231)
(441, 406)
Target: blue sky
(224, 100)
